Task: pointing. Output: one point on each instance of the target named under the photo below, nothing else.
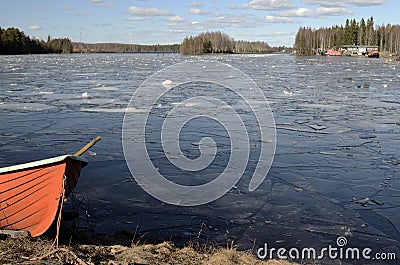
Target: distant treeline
(14, 41)
(312, 41)
(121, 47)
(219, 42)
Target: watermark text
(339, 251)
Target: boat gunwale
(40, 163)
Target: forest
(314, 41)
(14, 41)
(219, 42)
(121, 47)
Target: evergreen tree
(347, 32)
(354, 32)
(207, 46)
(362, 32)
(387, 37)
(14, 41)
(370, 33)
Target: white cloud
(319, 12)
(35, 27)
(270, 4)
(96, 1)
(236, 21)
(342, 3)
(333, 11)
(68, 8)
(366, 2)
(278, 19)
(233, 7)
(230, 19)
(301, 12)
(225, 21)
(148, 11)
(195, 4)
(136, 18)
(103, 25)
(175, 19)
(190, 27)
(104, 5)
(197, 11)
(175, 31)
(82, 14)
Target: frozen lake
(336, 170)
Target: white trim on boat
(41, 163)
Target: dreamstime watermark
(340, 251)
(182, 96)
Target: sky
(167, 22)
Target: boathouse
(358, 50)
(352, 50)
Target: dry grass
(28, 251)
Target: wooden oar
(86, 147)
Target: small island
(219, 42)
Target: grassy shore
(106, 250)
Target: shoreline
(118, 249)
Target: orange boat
(31, 194)
(373, 54)
(332, 52)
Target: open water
(336, 170)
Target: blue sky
(165, 22)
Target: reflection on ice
(25, 106)
(106, 88)
(43, 93)
(181, 104)
(114, 110)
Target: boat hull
(31, 194)
(373, 55)
(331, 52)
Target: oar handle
(86, 147)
